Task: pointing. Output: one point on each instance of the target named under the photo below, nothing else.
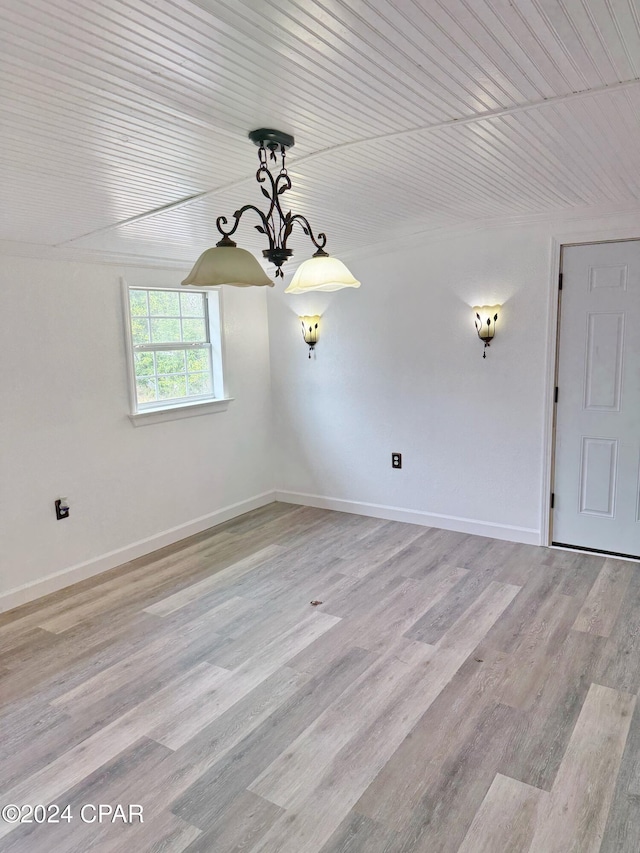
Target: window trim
(182, 408)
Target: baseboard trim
(526, 535)
(81, 571)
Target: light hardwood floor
(451, 693)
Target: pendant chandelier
(227, 264)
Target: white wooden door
(597, 446)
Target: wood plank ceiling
(124, 122)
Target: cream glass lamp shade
(310, 330)
(226, 264)
(321, 272)
(486, 317)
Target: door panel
(603, 374)
(598, 475)
(597, 439)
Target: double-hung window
(175, 348)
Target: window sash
(148, 316)
(212, 373)
(186, 373)
(178, 345)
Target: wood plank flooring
(450, 693)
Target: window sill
(186, 410)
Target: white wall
(64, 429)
(399, 368)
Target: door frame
(558, 242)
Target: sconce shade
(321, 272)
(310, 330)
(486, 317)
(227, 265)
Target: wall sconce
(310, 330)
(486, 318)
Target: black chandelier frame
(276, 224)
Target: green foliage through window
(172, 355)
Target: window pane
(138, 302)
(165, 331)
(193, 330)
(146, 390)
(144, 363)
(165, 303)
(192, 304)
(199, 383)
(171, 361)
(197, 360)
(170, 387)
(140, 330)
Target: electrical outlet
(62, 508)
(396, 460)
